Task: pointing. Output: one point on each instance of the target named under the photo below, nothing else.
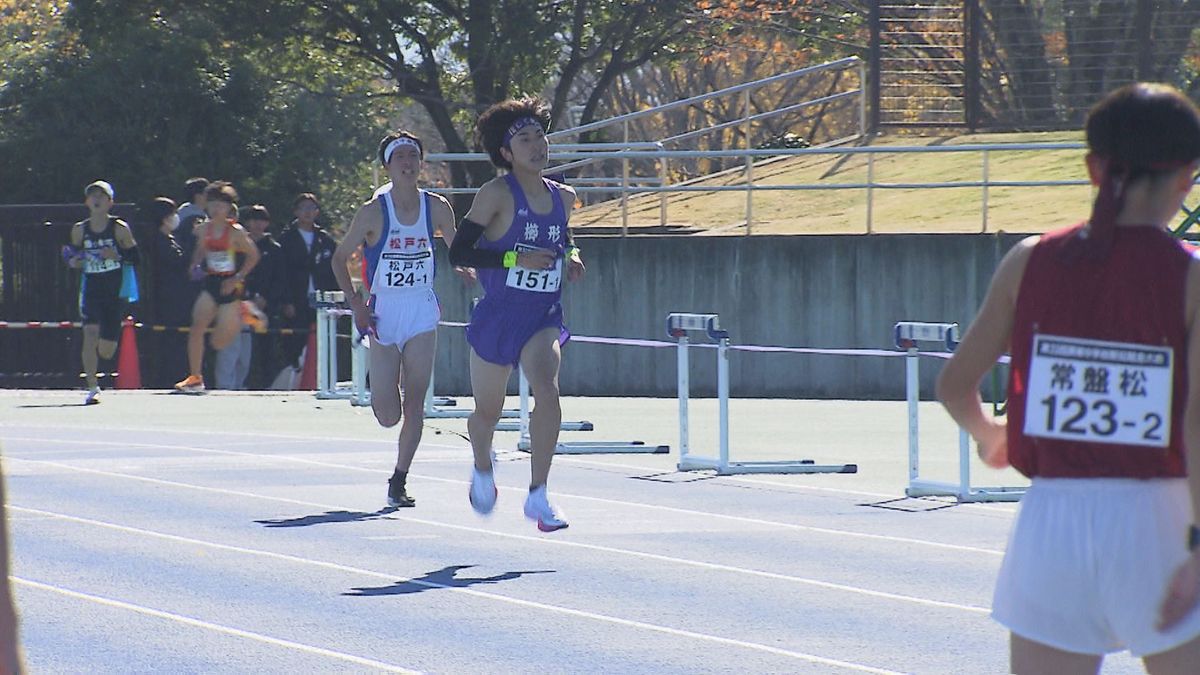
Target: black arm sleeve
(463, 251)
(131, 256)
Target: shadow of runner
(329, 517)
(443, 578)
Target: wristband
(510, 258)
(1193, 539)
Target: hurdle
(908, 335)
(576, 447)
(678, 326)
(330, 306)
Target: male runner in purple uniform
(516, 237)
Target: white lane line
(811, 658)
(547, 541)
(891, 539)
(995, 508)
(228, 630)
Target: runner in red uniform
(1104, 406)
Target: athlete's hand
(467, 274)
(537, 259)
(362, 313)
(1183, 593)
(993, 446)
(229, 286)
(575, 268)
(109, 253)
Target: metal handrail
(627, 117)
(749, 187)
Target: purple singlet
(519, 302)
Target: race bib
(93, 263)
(539, 281)
(1099, 392)
(220, 262)
(406, 270)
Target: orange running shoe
(253, 317)
(191, 383)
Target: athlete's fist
(537, 259)
(575, 268)
(993, 446)
(467, 274)
(1183, 593)
(362, 313)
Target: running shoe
(397, 494)
(190, 384)
(93, 396)
(483, 491)
(253, 317)
(539, 508)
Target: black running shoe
(397, 495)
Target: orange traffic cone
(129, 374)
(308, 375)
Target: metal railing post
(984, 206)
(749, 163)
(625, 182)
(862, 100)
(662, 182)
(870, 189)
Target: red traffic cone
(308, 375)
(129, 374)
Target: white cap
(103, 185)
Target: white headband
(399, 142)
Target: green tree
(147, 100)
(455, 57)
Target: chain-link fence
(1022, 64)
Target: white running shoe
(93, 396)
(483, 491)
(539, 508)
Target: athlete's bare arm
(984, 342)
(487, 208)
(75, 261)
(1182, 595)
(575, 267)
(198, 252)
(365, 229)
(244, 245)
(124, 236)
(442, 218)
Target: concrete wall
(840, 291)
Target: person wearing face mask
(221, 244)
(169, 293)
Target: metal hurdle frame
(678, 326)
(331, 305)
(577, 447)
(447, 408)
(908, 335)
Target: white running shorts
(1088, 563)
(399, 316)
